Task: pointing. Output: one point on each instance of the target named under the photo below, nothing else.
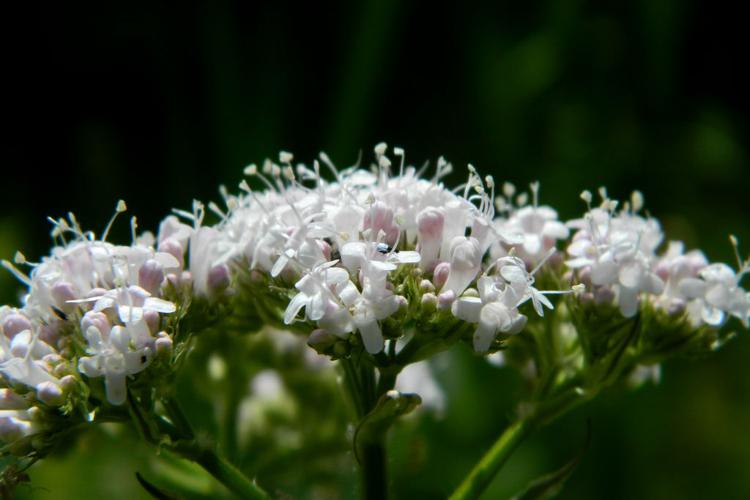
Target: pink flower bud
(15, 323)
(379, 217)
(49, 333)
(440, 274)
(173, 247)
(98, 320)
(163, 344)
(49, 393)
(61, 293)
(9, 400)
(150, 276)
(446, 299)
(151, 318)
(218, 278)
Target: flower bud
(61, 293)
(15, 323)
(321, 341)
(163, 344)
(9, 400)
(173, 247)
(440, 274)
(152, 319)
(379, 217)
(98, 320)
(445, 300)
(429, 301)
(150, 276)
(218, 278)
(49, 393)
(68, 383)
(426, 286)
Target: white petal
(467, 309)
(297, 303)
(116, 388)
(372, 337)
(159, 305)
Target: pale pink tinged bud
(401, 301)
(50, 333)
(429, 300)
(163, 344)
(676, 307)
(586, 298)
(15, 323)
(446, 299)
(49, 393)
(662, 271)
(173, 247)
(440, 274)
(568, 276)
(325, 247)
(151, 318)
(61, 293)
(426, 286)
(321, 341)
(186, 277)
(604, 295)
(52, 359)
(150, 276)
(379, 217)
(173, 279)
(61, 369)
(68, 383)
(430, 223)
(95, 292)
(218, 278)
(256, 276)
(98, 320)
(584, 276)
(9, 400)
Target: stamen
(121, 207)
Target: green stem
(374, 470)
(228, 475)
(482, 473)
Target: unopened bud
(15, 323)
(49, 393)
(150, 276)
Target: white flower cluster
(615, 253)
(110, 293)
(342, 248)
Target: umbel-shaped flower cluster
(385, 262)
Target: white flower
(465, 261)
(375, 302)
(495, 310)
(619, 252)
(114, 355)
(316, 296)
(716, 295)
(132, 304)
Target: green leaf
(153, 490)
(549, 485)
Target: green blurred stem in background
(491, 463)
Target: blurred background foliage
(159, 104)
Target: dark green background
(160, 104)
